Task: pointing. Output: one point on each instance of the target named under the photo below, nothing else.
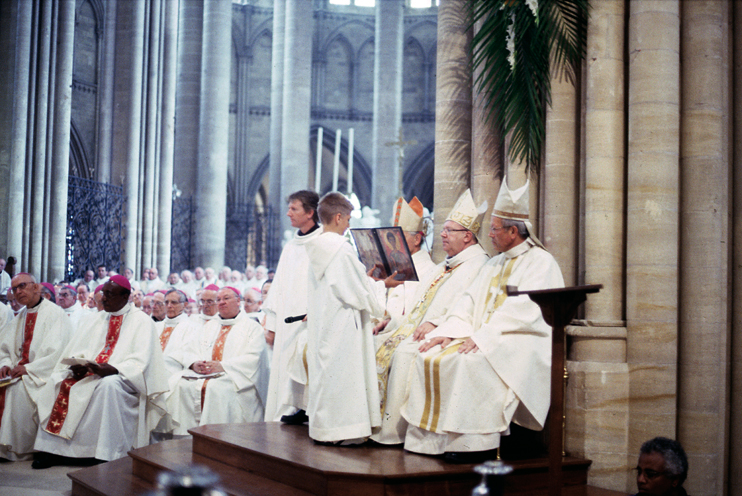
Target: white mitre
(466, 213)
(409, 216)
(513, 205)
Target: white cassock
(400, 300)
(105, 417)
(287, 297)
(238, 395)
(76, 313)
(155, 284)
(396, 354)
(478, 394)
(35, 338)
(6, 315)
(4, 281)
(343, 400)
(175, 336)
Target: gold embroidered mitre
(408, 216)
(466, 213)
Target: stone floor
(19, 479)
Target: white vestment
(435, 296)
(155, 284)
(51, 332)
(4, 282)
(238, 395)
(105, 417)
(177, 351)
(343, 400)
(76, 313)
(287, 298)
(477, 394)
(6, 315)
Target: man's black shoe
(297, 418)
(43, 460)
(463, 457)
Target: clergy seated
(176, 333)
(105, 402)
(489, 362)
(30, 346)
(228, 382)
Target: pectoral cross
(400, 144)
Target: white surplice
(342, 395)
(477, 394)
(178, 351)
(438, 292)
(108, 416)
(287, 298)
(76, 313)
(236, 396)
(51, 333)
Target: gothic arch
(260, 30)
(340, 30)
(338, 85)
(98, 11)
(239, 41)
(256, 181)
(418, 179)
(79, 162)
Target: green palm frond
(517, 90)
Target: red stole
(61, 405)
(27, 337)
(165, 337)
(217, 352)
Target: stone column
(703, 392)
(19, 136)
(387, 109)
(105, 91)
(213, 138)
(242, 129)
(130, 46)
(297, 86)
(167, 132)
(453, 110)
(57, 261)
(735, 448)
(652, 223)
(187, 96)
(276, 128)
(151, 133)
(597, 398)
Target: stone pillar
(735, 448)
(105, 90)
(242, 130)
(151, 135)
(187, 96)
(57, 261)
(21, 83)
(276, 127)
(213, 139)
(167, 132)
(453, 110)
(128, 125)
(652, 223)
(297, 86)
(703, 392)
(387, 109)
(597, 397)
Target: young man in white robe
(288, 298)
(501, 341)
(228, 381)
(343, 400)
(108, 401)
(435, 295)
(30, 346)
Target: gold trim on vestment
(435, 373)
(509, 215)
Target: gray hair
(522, 230)
(676, 462)
(181, 295)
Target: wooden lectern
(558, 307)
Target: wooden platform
(274, 459)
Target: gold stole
(61, 405)
(432, 362)
(25, 347)
(165, 337)
(217, 352)
(413, 320)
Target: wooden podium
(558, 307)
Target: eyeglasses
(448, 230)
(208, 302)
(158, 303)
(648, 473)
(20, 287)
(493, 230)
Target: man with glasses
(227, 380)
(67, 300)
(159, 312)
(434, 296)
(90, 408)
(207, 304)
(30, 346)
(502, 341)
(662, 468)
(175, 332)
